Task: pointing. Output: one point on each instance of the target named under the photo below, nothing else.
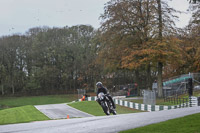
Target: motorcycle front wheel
(105, 108)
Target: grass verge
(187, 124)
(93, 108)
(20, 115)
(8, 102)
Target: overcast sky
(17, 16)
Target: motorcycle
(106, 104)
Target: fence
(178, 85)
(194, 101)
(149, 97)
(81, 92)
(176, 100)
(128, 90)
(178, 92)
(146, 107)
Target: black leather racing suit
(105, 91)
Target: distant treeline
(50, 61)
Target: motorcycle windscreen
(101, 95)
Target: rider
(101, 88)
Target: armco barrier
(193, 101)
(145, 107)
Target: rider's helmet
(99, 85)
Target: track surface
(103, 124)
(60, 111)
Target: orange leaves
(152, 51)
(136, 58)
(197, 60)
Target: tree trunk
(160, 19)
(149, 84)
(137, 81)
(2, 89)
(12, 86)
(160, 64)
(160, 86)
(95, 88)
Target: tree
(160, 37)
(47, 60)
(191, 40)
(137, 28)
(3, 75)
(126, 26)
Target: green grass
(187, 124)
(92, 107)
(20, 109)
(20, 115)
(8, 102)
(126, 110)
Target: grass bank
(187, 124)
(92, 107)
(9, 102)
(20, 115)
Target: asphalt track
(101, 124)
(60, 111)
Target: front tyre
(105, 108)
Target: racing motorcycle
(106, 104)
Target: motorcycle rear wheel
(114, 112)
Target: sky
(17, 16)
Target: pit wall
(193, 102)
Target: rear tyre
(114, 112)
